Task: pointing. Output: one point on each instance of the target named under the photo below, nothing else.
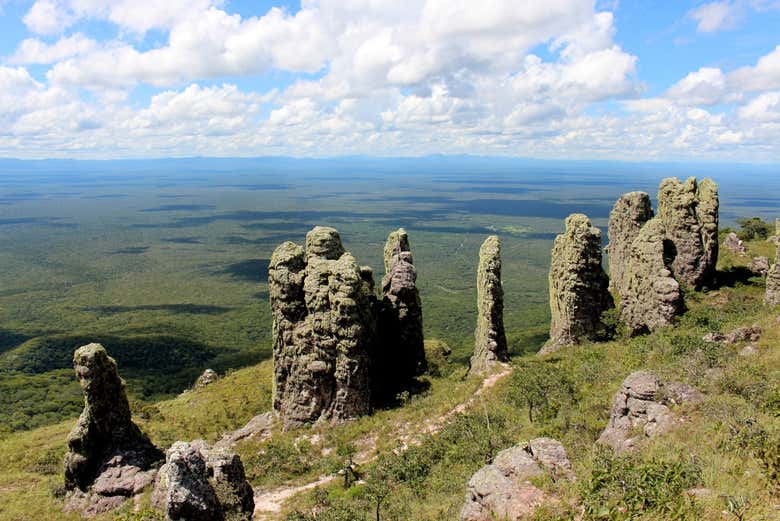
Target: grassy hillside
(728, 444)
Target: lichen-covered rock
(640, 409)
(772, 296)
(208, 377)
(323, 332)
(650, 297)
(629, 214)
(503, 490)
(105, 439)
(579, 288)
(198, 483)
(689, 211)
(402, 350)
(734, 244)
(489, 338)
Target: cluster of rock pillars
(341, 348)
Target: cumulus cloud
(716, 16)
(35, 51)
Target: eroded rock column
(689, 212)
(772, 296)
(650, 297)
(489, 338)
(629, 214)
(579, 293)
(324, 329)
(105, 436)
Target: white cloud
(35, 51)
(706, 86)
(716, 16)
(765, 75)
(763, 108)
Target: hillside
(416, 458)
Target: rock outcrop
(402, 349)
(739, 335)
(759, 266)
(772, 296)
(208, 377)
(489, 338)
(640, 409)
(629, 214)
(503, 490)
(109, 459)
(579, 288)
(734, 244)
(650, 297)
(689, 212)
(198, 483)
(323, 330)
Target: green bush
(627, 487)
(541, 386)
(754, 228)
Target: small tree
(754, 228)
(541, 386)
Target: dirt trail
(270, 502)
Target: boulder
(759, 266)
(324, 329)
(734, 244)
(650, 297)
(208, 377)
(109, 459)
(198, 483)
(626, 219)
(579, 288)
(689, 212)
(772, 296)
(503, 490)
(490, 344)
(640, 409)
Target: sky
(640, 80)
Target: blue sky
(569, 79)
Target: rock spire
(489, 338)
(579, 293)
(323, 330)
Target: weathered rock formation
(640, 409)
(772, 296)
(489, 338)
(323, 330)
(198, 483)
(401, 324)
(650, 297)
(689, 212)
(109, 459)
(503, 490)
(759, 266)
(208, 377)
(741, 334)
(579, 292)
(629, 214)
(734, 244)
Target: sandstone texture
(739, 335)
(324, 328)
(489, 338)
(503, 490)
(640, 410)
(198, 483)
(689, 212)
(579, 292)
(734, 244)
(629, 214)
(402, 349)
(109, 459)
(650, 297)
(772, 296)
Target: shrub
(543, 387)
(754, 228)
(627, 487)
